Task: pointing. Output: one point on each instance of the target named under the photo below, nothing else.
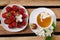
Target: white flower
(48, 32)
(19, 18)
(51, 28)
(44, 16)
(41, 32)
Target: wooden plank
(31, 2)
(57, 29)
(29, 38)
(36, 3)
(23, 38)
(4, 2)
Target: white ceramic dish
(5, 26)
(34, 14)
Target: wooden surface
(28, 30)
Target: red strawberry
(21, 10)
(10, 26)
(4, 15)
(17, 13)
(23, 23)
(6, 21)
(11, 19)
(24, 15)
(13, 12)
(14, 24)
(34, 26)
(19, 26)
(15, 7)
(8, 14)
(18, 22)
(8, 9)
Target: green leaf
(45, 31)
(53, 24)
(48, 38)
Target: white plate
(34, 14)
(5, 26)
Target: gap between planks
(55, 37)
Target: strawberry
(4, 15)
(19, 26)
(21, 10)
(13, 12)
(17, 13)
(10, 26)
(14, 7)
(11, 19)
(24, 15)
(8, 8)
(6, 21)
(34, 26)
(23, 23)
(18, 22)
(14, 24)
(8, 14)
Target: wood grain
(36, 3)
(31, 2)
(4, 2)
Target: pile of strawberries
(10, 16)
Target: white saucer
(34, 14)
